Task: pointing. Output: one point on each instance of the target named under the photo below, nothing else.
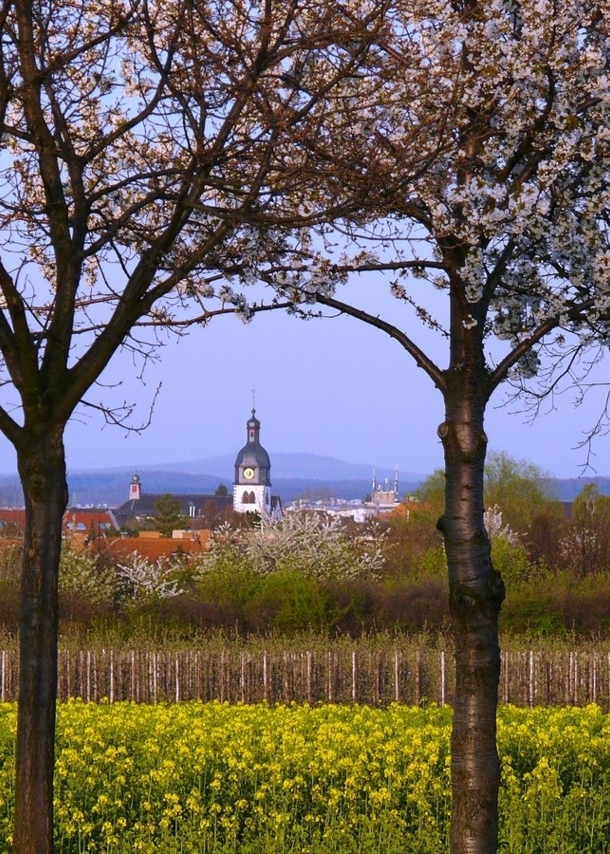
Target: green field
(215, 777)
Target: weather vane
(253, 400)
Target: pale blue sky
(333, 387)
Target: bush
(312, 545)
(288, 602)
(511, 561)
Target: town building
(84, 522)
(142, 506)
(252, 482)
(382, 501)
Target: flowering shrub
(496, 529)
(316, 546)
(146, 580)
(83, 573)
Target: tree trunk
(476, 593)
(42, 470)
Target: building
(382, 501)
(384, 496)
(141, 506)
(86, 522)
(251, 490)
(252, 482)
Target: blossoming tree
(507, 219)
(149, 150)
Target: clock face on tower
(249, 473)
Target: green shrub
(511, 561)
(288, 602)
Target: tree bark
(42, 469)
(476, 593)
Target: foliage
(519, 488)
(11, 557)
(409, 593)
(586, 547)
(289, 602)
(518, 506)
(168, 515)
(85, 573)
(510, 559)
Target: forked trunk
(476, 593)
(42, 470)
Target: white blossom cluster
(495, 527)
(82, 574)
(313, 545)
(150, 580)
(292, 146)
(509, 110)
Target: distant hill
(286, 466)
(567, 489)
(294, 475)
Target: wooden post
(309, 675)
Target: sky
(333, 387)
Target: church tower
(135, 488)
(252, 483)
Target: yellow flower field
(217, 778)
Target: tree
(150, 152)
(507, 219)
(518, 488)
(432, 491)
(586, 548)
(169, 516)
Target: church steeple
(252, 464)
(252, 482)
(254, 429)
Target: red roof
(10, 517)
(81, 521)
(153, 548)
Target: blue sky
(333, 387)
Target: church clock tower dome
(252, 483)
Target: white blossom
(156, 580)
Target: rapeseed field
(256, 779)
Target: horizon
(331, 384)
(184, 466)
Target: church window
(248, 498)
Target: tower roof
(253, 454)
